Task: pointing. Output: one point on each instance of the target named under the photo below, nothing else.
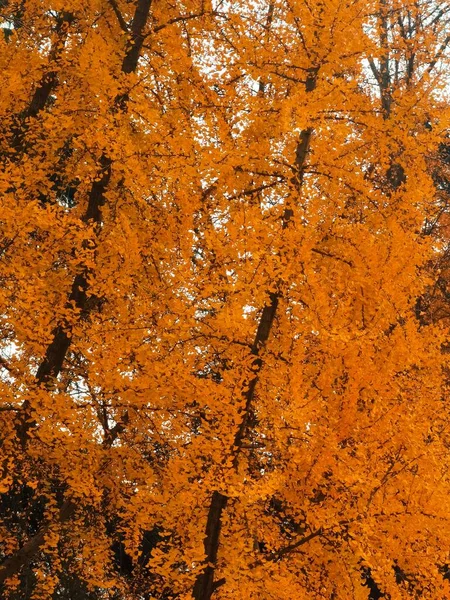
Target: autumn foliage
(225, 295)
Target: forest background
(225, 293)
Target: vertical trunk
(204, 585)
(56, 352)
(49, 80)
(385, 75)
(395, 174)
(46, 85)
(140, 18)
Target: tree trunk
(56, 352)
(204, 586)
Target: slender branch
(329, 255)
(278, 555)
(438, 56)
(374, 70)
(180, 19)
(120, 19)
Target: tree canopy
(224, 271)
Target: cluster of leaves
(224, 271)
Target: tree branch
(22, 557)
(120, 19)
(180, 19)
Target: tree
(216, 380)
